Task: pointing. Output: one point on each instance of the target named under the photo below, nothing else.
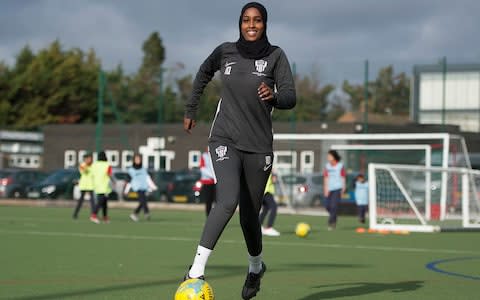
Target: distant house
(373, 118)
(21, 149)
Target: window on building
(194, 159)
(70, 159)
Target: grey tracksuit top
(242, 118)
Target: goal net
(423, 199)
(300, 160)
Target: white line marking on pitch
(178, 239)
(85, 220)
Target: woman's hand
(325, 193)
(188, 124)
(265, 92)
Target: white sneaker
(271, 232)
(94, 219)
(134, 217)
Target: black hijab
(102, 156)
(259, 48)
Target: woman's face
(137, 160)
(252, 27)
(331, 159)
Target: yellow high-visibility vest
(270, 187)
(101, 179)
(86, 178)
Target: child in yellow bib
(101, 172)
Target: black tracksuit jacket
(242, 118)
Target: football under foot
(252, 283)
(187, 276)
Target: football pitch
(47, 255)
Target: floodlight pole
(293, 130)
(444, 79)
(365, 95)
(160, 100)
(100, 100)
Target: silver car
(305, 190)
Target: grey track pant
(241, 178)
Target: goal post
(300, 159)
(397, 198)
(427, 149)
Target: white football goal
(300, 159)
(398, 198)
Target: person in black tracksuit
(256, 78)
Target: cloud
(335, 36)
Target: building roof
(374, 118)
(417, 69)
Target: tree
(356, 94)
(209, 101)
(172, 106)
(57, 86)
(23, 60)
(338, 104)
(153, 56)
(5, 106)
(389, 93)
(311, 100)
(140, 93)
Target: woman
(85, 184)
(140, 183)
(334, 183)
(101, 173)
(256, 78)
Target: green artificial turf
(47, 255)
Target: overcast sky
(330, 37)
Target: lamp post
(444, 87)
(293, 131)
(100, 101)
(365, 96)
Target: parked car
(120, 179)
(59, 184)
(14, 182)
(307, 189)
(185, 187)
(162, 179)
(475, 160)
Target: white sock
(201, 258)
(255, 264)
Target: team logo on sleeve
(268, 163)
(221, 153)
